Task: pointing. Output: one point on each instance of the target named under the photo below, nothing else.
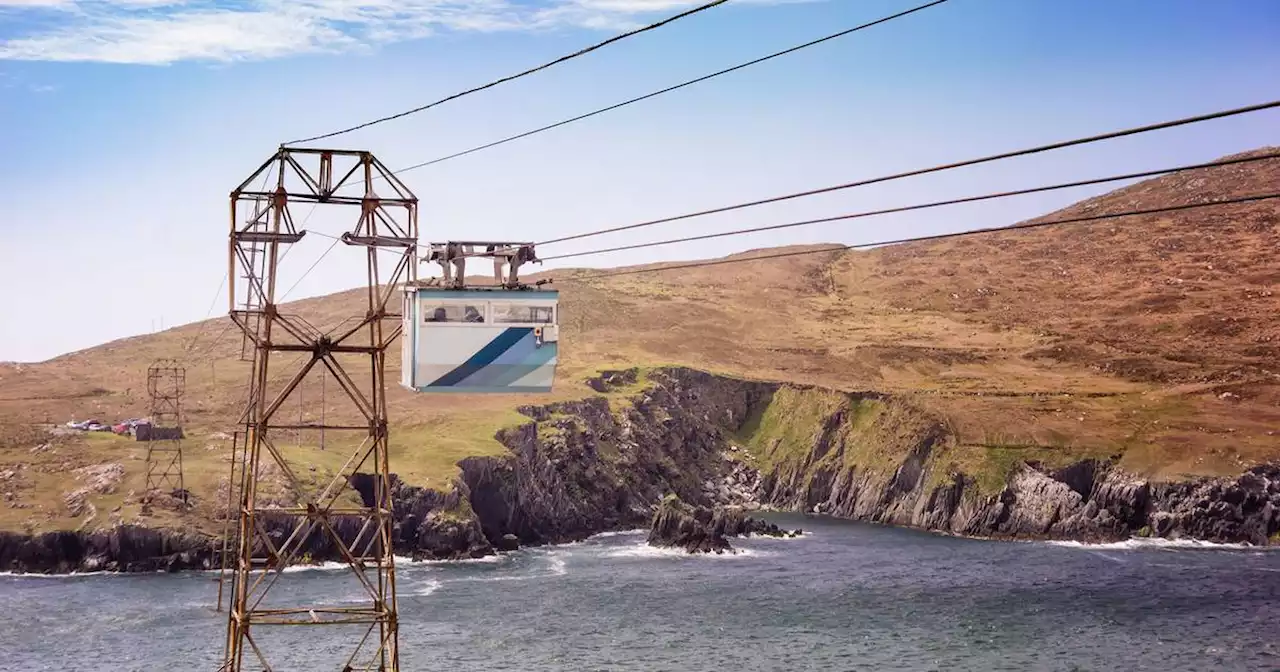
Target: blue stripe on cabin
(484, 356)
(514, 364)
(493, 370)
(532, 362)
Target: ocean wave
(72, 575)
(765, 537)
(426, 587)
(1142, 543)
(555, 566)
(647, 551)
(486, 560)
(318, 567)
(620, 533)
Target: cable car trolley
(475, 338)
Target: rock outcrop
(694, 529)
(431, 525)
(584, 467)
(698, 529)
(127, 548)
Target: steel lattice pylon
(359, 531)
(166, 381)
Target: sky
(124, 125)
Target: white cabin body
(479, 340)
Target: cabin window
(452, 312)
(520, 313)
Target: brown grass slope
(1153, 338)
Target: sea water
(844, 596)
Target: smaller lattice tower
(166, 381)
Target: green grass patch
(991, 466)
(643, 382)
(428, 454)
(460, 512)
(871, 435)
(108, 439)
(783, 433)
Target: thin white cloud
(34, 3)
(161, 32)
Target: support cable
(669, 89)
(266, 177)
(530, 71)
(940, 236)
(924, 206)
(933, 169)
(217, 294)
(309, 269)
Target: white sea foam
(486, 560)
(620, 533)
(570, 544)
(426, 587)
(72, 575)
(555, 566)
(319, 567)
(765, 537)
(647, 551)
(1139, 543)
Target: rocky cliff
(876, 458)
(588, 466)
(126, 548)
(602, 463)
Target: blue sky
(125, 124)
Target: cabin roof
(487, 294)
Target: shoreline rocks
(699, 529)
(126, 548)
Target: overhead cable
(530, 71)
(266, 177)
(933, 169)
(669, 89)
(217, 293)
(212, 347)
(924, 206)
(940, 236)
(312, 267)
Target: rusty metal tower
(330, 514)
(166, 381)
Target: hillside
(1152, 339)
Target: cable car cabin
(480, 340)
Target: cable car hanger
(452, 257)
